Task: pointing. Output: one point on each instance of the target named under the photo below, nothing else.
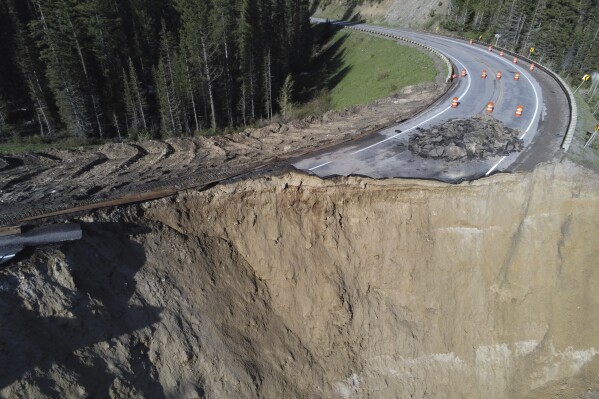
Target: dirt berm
(295, 287)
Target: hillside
(411, 13)
(291, 286)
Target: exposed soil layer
(295, 287)
(479, 137)
(61, 179)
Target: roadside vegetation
(585, 127)
(374, 68)
(351, 68)
(346, 68)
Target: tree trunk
(208, 81)
(193, 101)
(89, 86)
(228, 80)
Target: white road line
(320, 166)
(522, 73)
(413, 127)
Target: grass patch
(39, 144)
(585, 126)
(373, 68)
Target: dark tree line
(102, 68)
(564, 33)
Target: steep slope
(410, 13)
(295, 287)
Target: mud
(291, 286)
(39, 183)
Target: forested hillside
(102, 68)
(564, 33)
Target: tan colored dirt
(406, 13)
(295, 287)
(61, 179)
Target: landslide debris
(66, 178)
(295, 287)
(479, 137)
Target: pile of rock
(479, 137)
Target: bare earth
(34, 184)
(290, 286)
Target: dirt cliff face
(292, 286)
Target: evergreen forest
(97, 69)
(564, 34)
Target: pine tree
(166, 85)
(51, 33)
(286, 96)
(195, 32)
(4, 127)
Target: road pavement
(384, 154)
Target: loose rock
(480, 137)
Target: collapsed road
(486, 75)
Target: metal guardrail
(563, 85)
(446, 60)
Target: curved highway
(543, 123)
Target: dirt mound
(479, 137)
(295, 287)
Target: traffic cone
(517, 76)
(501, 53)
(519, 110)
(484, 74)
(454, 102)
(498, 76)
(490, 107)
(471, 41)
(515, 60)
(463, 73)
(532, 67)
(490, 48)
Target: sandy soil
(290, 286)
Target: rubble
(480, 137)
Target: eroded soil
(31, 184)
(290, 286)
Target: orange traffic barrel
(501, 53)
(490, 107)
(490, 48)
(484, 74)
(519, 110)
(463, 72)
(471, 41)
(515, 60)
(498, 76)
(532, 67)
(517, 76)
(454, 102)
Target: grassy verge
(375, 68)
(355, 68)
(584, 128)
(36, 144)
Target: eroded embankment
(296, 287)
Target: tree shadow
(314, 6)
(327, 68)
(103, 266)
